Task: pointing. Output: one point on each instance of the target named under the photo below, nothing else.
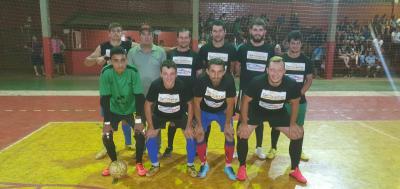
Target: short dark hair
(257, 22)
(114, 25)
(295, 35)
(218, 23)
(145, 27)
(117, 50)
(168, 64)
(216, 61)
(182, 30)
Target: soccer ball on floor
(118, 169)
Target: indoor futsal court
(52, 107)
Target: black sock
(207, 134)
(274, 137)
(295, 148)
(242, 149)
(171, 136)
(259, 135)
(140, 145)
(108, 142)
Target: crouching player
(264, 101)
(214, 100)
(167, 100)
(121, 95)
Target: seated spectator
(316, 58)
(372, 64)
(344, 53)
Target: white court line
(378, 131)
(23, 138)
(39, 129)
(96, 93)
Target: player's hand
(228, 130)
(100, 60)
(244, 131)
(150, 133)
(295, 132)
(172, 124)
(198, 130)
(139, 128)
(189, 132)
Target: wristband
(138, 121)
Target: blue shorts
(219, 117)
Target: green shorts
(301, 116)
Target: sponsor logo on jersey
(222, 56)
(168, 98)
(169, 110)
(298, 77)
(184, 71)
(213, 104)
(255, 55)
(214, 94)
(182, 60)
(270, 106)
(295, 66)
(255, 67)
(273, 95)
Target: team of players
(193, 90)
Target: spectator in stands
(316, 58)
(372, 64)
(344, 53)
(36, 56)
(396, 45)
(58, 47)
(223, 17)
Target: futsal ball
(118, 169)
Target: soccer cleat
(191, 170)
(304, 157)
(242, 173)
(271, 153)
(296, 174)
(153, 170)
(101, 154)
(106, 172)
(260, 154)
(129, 147)
(203, 171)
(167, 152)
(141, 171)
(230, 173)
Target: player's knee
(107, 138)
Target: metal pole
(46, 36)
(331, 40)
(195, 27)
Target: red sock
(201, 151)
(229, 149)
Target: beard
(257, 39)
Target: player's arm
(230, 103)
(307, 84)
(295, 132)
(189, 129)
(149, 118)
(105, 105)
(95, 58)
(235, 68)
(197, 111)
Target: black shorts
(36, 60)
(58, 58)
(275, 119)
(159, 122)
(116, 118)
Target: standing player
(147, 57)
(264, 101)
(187, 67)
(253, 58)
(169, 100)
(217, 48)
(101, 56)
(300, 68)
(121, 95)
(214, 100)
